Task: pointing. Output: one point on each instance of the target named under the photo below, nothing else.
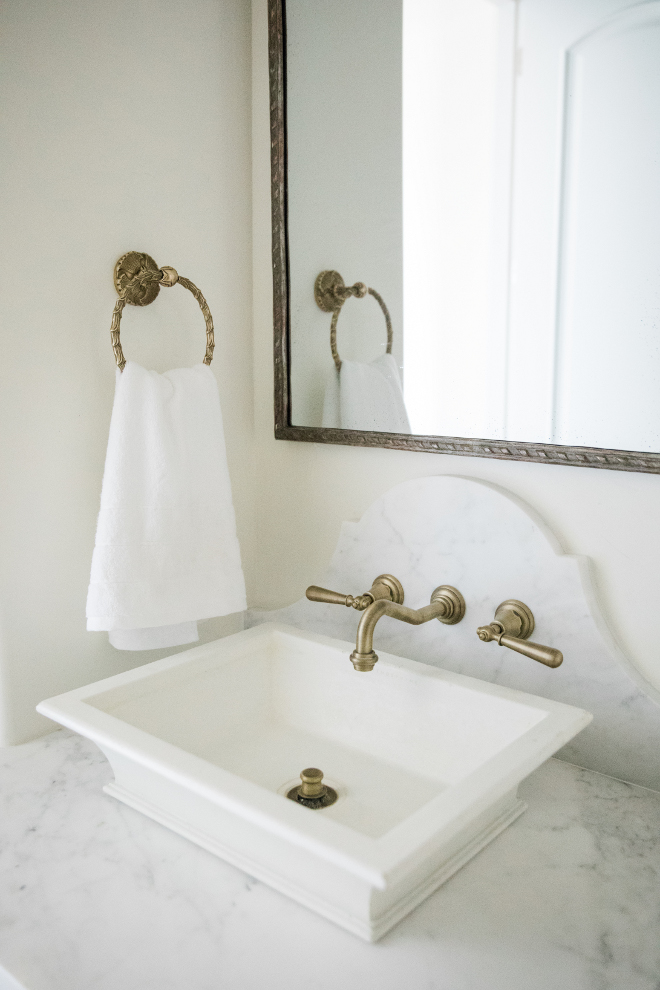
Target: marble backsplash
(451, 530)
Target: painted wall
(306, 490)
(125, 127)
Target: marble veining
(450, 530)
(95, 896)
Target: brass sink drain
(313, 793)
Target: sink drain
(312, 792)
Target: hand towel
(365, 396)
(166, 551)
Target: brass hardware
(136, 277)
(514, 623)
(330, 293)
(384, 586)
(138, 280)
(390, 582)
(386, 598)
(514, 618)
(316, 594)
(447, 605)
(170, 276)
(312, 792)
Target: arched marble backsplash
(452, 530)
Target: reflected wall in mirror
(485, 173)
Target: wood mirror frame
(598, 457)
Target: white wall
(126, 126)
(306, 490)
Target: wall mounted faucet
(514, 622)
(386, 598)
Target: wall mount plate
(325, 291)
(516, 618)
(129, 265)
(454, 599)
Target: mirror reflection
(481, 177)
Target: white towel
(366, 397)
(166, 550)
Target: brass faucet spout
(447, 605)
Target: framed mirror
(466, 227)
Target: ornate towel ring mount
(138, 280)
(330, 293)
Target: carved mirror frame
(598, 457)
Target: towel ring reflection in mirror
(138, 280)
(331, 293)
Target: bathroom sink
(425, 763)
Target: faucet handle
(316, 594)
(544, 654)
(384, 586)
(514, 622)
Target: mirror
(466, 208)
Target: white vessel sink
(426, 763)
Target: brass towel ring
(331, 293)
(138, 280)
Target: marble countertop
(94, 896)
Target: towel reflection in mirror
(359, 395)
(366, 396)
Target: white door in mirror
(586, 211)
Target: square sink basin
(426, 763)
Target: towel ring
(331, 293)
(138, 280)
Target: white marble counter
(94, 896)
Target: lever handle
(316, 594)
(544, 654)
(514, 617)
